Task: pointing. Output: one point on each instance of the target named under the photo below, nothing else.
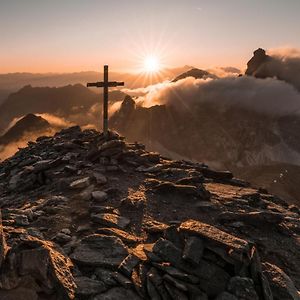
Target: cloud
(225, 71)
(56, 121)
(266, 96)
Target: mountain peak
(105, 212)
(196, 73)
(28, 124)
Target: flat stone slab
(224, 244)
(80, 183)
(87, 286)
(123, 235)
(110, 220)
(100, 250)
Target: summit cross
(105, 84)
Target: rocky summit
(88, 216)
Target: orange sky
(74, 35)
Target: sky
(81, 35)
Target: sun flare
(151, 64)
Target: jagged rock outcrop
(255, 64)
(88, 216)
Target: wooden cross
(105, 84)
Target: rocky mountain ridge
(30, 123)
(86, 216)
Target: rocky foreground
(91, 217)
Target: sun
(151, 64)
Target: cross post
(105, 84)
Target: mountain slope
(94, 217)
(233, 139)
(64, 102)
(196, 73)
(29, 124)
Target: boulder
(100, 250)
(242, 288)
(99, 196)
(281, 284)
(228, 246)
(80, 183)
(111, 220)
(87, 287)
(44, 264)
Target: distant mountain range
(15, 81)
(72, 102)
(196, 73)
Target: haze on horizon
(74, 35)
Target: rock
(106, 276)
(100, 178)
(191, 180)
(88, 287)
(117, 293)
(35, 261)
(100, 250)
(167, 251)
(123, 280)
(255, 63)
(152, 157)
(139, 278)
(171, 233)
(169, 187)
(220, 240)
(86, 194)
(193, 249)
(175, 293)
(253, 218)
(36, 233)
(123, 235)
(177, 274)
(213, 279)
(226, 296)
(157, 281)
(80, 183)
(3, 246)
(112, 144)
(110, 220)
(242, 288)
(153, 226)
(83, 228)
(175, 282)
(94, 208)
(217, 175)
(14, 181)
(99, 196)
(19, 293)
(128, 264)
(152, 292)
(62, 238)
(45, 165)
(280, 283)
(66, 231)
(47, 266)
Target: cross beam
(105, 84)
